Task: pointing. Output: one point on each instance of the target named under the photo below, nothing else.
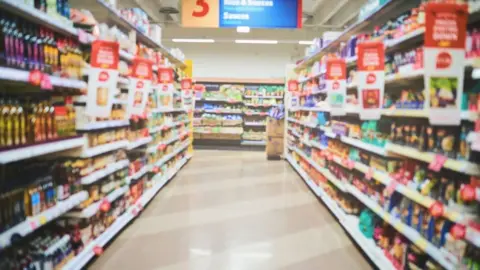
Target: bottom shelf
(88, 253)
(253, 143)
(349, 222)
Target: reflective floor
(237, 211)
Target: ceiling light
(243, 29)
(256, 41)
(305, 42)
(193, 40)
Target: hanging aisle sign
(140, 86)
(336, 83)
(103, 78)
(234, 13)
(444, 61)
(371, 79)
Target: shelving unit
(98, 162)
(370, 167)
(253, 104)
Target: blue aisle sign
(233, 13)
(261, 14)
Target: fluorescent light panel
(305, 42)
(256, 41)
(243, 29)
(193, 40)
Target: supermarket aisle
(233, 210)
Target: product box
(274, 146)
(275, 128)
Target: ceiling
(318, 16)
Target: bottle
(8, 42)
(53, 126)
(40, 123)
(32, 122)
(7, 122)
(28, 50)
(15, 123)
(19, 46)
(2, 126)
(21, 119)
(3, 37)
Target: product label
(336, 83)
(371, 79)
(292, 86)
(444, 61)
(103, 78)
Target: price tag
(45, 83)
(369, 174)
(135, 212)
(437, 163)
(42, 220)
(33, 225)
(35, 77)
(98, 250)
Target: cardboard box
(275, 128)
(274, 146)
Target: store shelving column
(403, 182)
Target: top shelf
(20, 9)
(103, 12)
(389, 10)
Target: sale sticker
(35, 77)
(98, 250)
(444, 61)
(292, 86)
(371, 79)
(336, 85)
(437, 163)
(165, 75)
(186, 84)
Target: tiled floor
(231, 210)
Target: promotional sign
(165, 75)
(336, 82)
(103, 78)
(444, 61)
(234, 13)
(140, 86)
(186, 84)
(371, 79)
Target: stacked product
(100, 170)
(403, 184)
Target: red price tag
(437, 163)
(98, 250)
(436, 209)
(135, 212)
(35, 77)
(468, 193)
(248, 113)
(162, 147)
(458, 231)
(155, 170)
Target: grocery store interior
(239, 135)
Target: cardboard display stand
(140, 86)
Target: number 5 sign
(200, 13)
